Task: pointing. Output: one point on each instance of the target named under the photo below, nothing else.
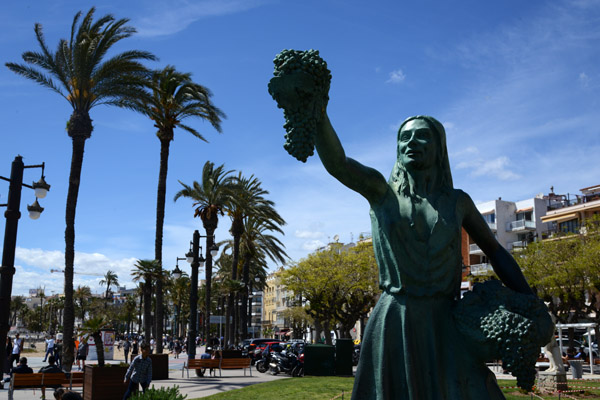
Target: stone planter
(160, 366)
(104, 383)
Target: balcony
(474, 249)
(481, 269)
(520, 225)
(518, 245)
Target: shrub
(152, 393)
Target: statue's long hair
(399, 180)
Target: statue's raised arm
(301, 87)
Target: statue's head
(422, 145)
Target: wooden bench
(41, 380)
(237, 363)
(201, 364)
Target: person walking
(49, 346)
(16, 350)
(126, 348)
(58, 347)
(139, 372)
(134, 349)
(82, 353)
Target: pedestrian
(134, 349)
(58, 346)
(82, 353)
(152, 343)
(51, 368)
(126, 348)
(49, 347)
(16, 350)
(177, 348)
(139, 372)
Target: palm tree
(81, 297)
(247, 201)
(110, 278)
(146, 270)
(93, 327)
(17, 305)
(85, 79)
(257, 245)
(173, 98)
(210, 196)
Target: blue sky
(515, 83)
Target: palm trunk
(79, 132)
(230, 301)
(244, 306)
(147, 311)
(160, 220)
(99, 348)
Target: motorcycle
(262, 361)
(284, 362)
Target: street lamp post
(177, 273)
(12, 215)
(212, 250)
(195, 263)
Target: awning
(558, 218)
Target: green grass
(587, 394)
(328, 387)
(308, 387)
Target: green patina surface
(421, 341)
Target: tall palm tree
(210, 196)
(144, 271)
(110, 279)
(172, 98)
(81, 296)
(247, 201)
(17, 305)
(258, 244)
(79, 72)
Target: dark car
(250, 345)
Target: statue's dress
(412, 348)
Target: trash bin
(319, 360)
(576, 368)
(343, 357)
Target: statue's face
(417, 146)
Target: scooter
(262, 361)
(283, 362)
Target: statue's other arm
(504, 264)
(364, 180)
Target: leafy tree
(566, 273)
(339, 285)
(210, 197)
(172, 98)
(80, 73)
(298, 319)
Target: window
(490, 218)
(526, 216)
(571, 226)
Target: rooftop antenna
(336, 238)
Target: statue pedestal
(552, 381)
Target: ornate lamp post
(12, 216)
(177, 273)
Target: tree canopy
(339, 284)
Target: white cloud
(396, 76)
(584, 80)
(89, 269)
(176, 16)
(308, 234)
(497, 168)
(312, 245)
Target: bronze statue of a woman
(413, 346)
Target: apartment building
(515, 224)
(568, 215)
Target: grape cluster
(306, 91)
(506, 325)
